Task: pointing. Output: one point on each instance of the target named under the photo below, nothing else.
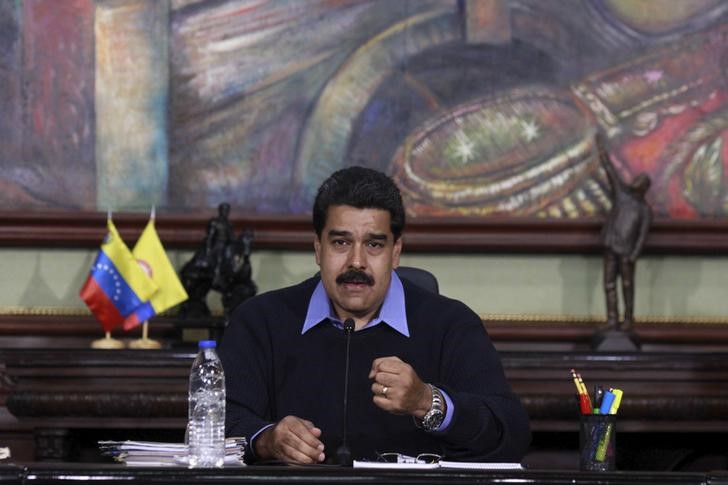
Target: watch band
(434, 417)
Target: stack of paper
(153, 453)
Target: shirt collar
(392, 312)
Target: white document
(399, 466)
(476, 465)
(463, 465)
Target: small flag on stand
(116, 285)
(151, 256)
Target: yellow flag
(152, 257)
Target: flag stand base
(144, 343)
(107, 343)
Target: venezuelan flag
(150, 255)
(116, 285)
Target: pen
(598, 396)
(607, 402)
(617, 401)
(601, 452)
(576, 381)
(587, 408)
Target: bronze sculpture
(219, 236)
(239, 285)
(221, 263)
(623, 237)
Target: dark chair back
(420, 277)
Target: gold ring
(384, 391)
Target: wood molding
(87, 229)
(672, 388)
(75, 331)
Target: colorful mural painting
(478, 108)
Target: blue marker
(607, 401)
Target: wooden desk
(76, 473)
(673, 401)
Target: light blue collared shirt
(392, 313)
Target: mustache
(354, 276)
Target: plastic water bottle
(206, 425)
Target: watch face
(433, 419)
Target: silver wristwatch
(434, 417)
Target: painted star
(464, 149)
(530, 130)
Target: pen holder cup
(597, 442)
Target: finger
(292, 448)
(298, 455)
(386, 379)
(304, 455)
(402, 378)
(380, 389)
(383, 403)
(385, 364)
(298, 440)
(375, 367)
(391, 365)
(310, 439)
(312, 428)
(379, 361)
(388, 404)
(308, 435)
(390, 395)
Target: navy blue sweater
(273, 371)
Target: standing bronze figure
(623, 236)
(220, 234)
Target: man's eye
(339, 242)
(376, 244)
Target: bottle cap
(207, 344)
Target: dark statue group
(222, 264)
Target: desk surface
(76, 472)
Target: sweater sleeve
(489, 422)
(245, 354)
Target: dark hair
(363, 188)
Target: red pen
(584, 404)
(584, 401)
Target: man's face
(356, 253)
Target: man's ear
(317, 249)
(396, 251)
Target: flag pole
(145, 342)
(107, 343)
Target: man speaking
(418, 373)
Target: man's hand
(292, 440)
(398, 389)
